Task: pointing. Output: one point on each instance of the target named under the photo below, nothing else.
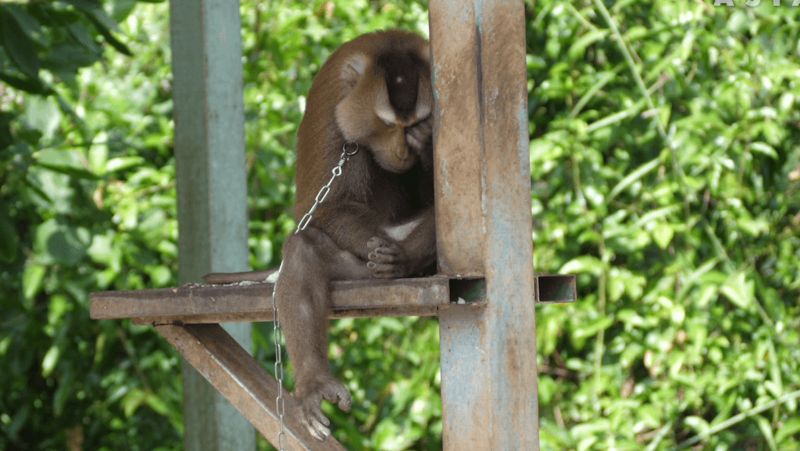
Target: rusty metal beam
(253, 302)
(243, 382)
(199, 304)
(459, 231)
(488, 355)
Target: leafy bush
(666, 170)
(87, 199)
(666, 174)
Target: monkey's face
(383, 104)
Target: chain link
(348, 150)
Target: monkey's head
(389, 93)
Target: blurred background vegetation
(665, 156)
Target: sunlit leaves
(682, 243)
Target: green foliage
(81, 212)
(666, 174)
(677, 206)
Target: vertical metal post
(488, 356)
(212, 191)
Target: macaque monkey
(377, 221)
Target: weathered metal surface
(253, 302)
(555, 288)
(239, 377)
(488, 355)
(199, 304)
(457, 137)
(211, 181)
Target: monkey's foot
(310, 397)
(386, 259)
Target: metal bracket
(243, 382)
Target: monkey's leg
(311, 259)
(411, 250)
(350, 225)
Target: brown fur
(378, 219)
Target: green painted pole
(212, 189)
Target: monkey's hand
(310, 396)
(387, 259)
(418, 136)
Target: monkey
(377, 220)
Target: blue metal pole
(212, 191)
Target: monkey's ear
(353, 68)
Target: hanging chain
(348, 150)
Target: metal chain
(348, 150)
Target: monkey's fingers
(425, 127)
(421, 131)
(320, 423)
(377, 241)
(316, 429)
(314, 420)
(414, 142)
(385, 255)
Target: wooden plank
(457, 138)
(212, 191)
(253, 301)
(240, 378)
(489, 397)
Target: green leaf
(789, 429)
(122, 163)
(29, 24)
(32, 279)
(739, 290)
(18, 44)
(50, 360)
(103, 23)
(81, 35)
(9, 240)
(32, 85)
(157, 404)
(132, 400)
(585, 264)
(662, 235)
(58, 243)
(629, 179)
(94, 10)
(71, 171)
(764, 149)
(578, 48)
(766, 430)
(697, 423)
(43, 114)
